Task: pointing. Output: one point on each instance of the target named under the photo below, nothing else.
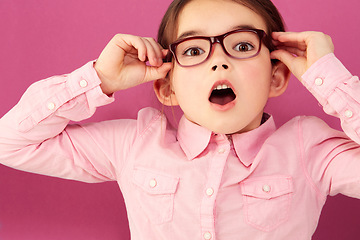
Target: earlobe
(164, 92)
(280, 79)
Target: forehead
(214, 17)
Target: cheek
(179, 85)
(183, 81)
(255, 80)
(256, 72)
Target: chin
(225, 130)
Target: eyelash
(191, 49)
(242, 44)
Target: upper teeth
(221, 86)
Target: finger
(285, 40)
(293, 50)
(153, 52)
(154, 73)
(295, 64)
(132, 45)
(150, 53)
(300, 46)
(164, 52)
(300, 37)
(157, 48)
(289, 36)
(283, 55)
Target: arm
(309, 56)
(330, 158)
(338, 91)
(35, 135)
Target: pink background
(41, 38)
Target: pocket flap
(267, 187)
(154, 182)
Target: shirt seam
(138, 135)
(106, 173)
(302, 160)
(147, 126)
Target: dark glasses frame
(263, 38)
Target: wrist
(105, 83)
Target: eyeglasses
(239, 44)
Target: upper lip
(222, 84)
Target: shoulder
(149, 119)
(145, 118)
(312, 129)
(148, 114)
(307, 123)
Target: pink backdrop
(41, 38)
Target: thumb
(154, 73)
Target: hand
(298, 51)
(122, 63)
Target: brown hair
(265, 8)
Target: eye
(193, 51)
(244, 47)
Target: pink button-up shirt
(189, 183)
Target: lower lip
(225, 107)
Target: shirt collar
(248, 144)
(194, 139)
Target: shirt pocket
(156, 194)
(267, 201)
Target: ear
(280, 79)
(164, 92)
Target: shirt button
(266, 188)
(207, 236)
(221, 150)
(319, 81)
(348, 113)
(83, 83)
(51, 106)
(209, 192)
(152, 183)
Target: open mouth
(222, 94)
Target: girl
(225, 172)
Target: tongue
(222, 97)
(221, 100)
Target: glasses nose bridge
(220, 40)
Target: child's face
(250, 79)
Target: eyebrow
(192, 33)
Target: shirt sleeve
(332, 158)
(35, 135)
(338, 91)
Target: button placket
(221, 151)
(212, 184)
(207, 235)
(210, 191)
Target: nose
(224, 66)
(219, 58)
